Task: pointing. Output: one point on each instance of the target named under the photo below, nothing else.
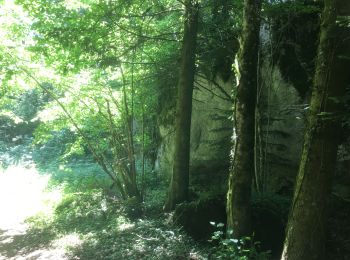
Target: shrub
(228, 248)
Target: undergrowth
(227, 248)
(91, 222)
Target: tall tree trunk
(242, 171)
(305, 237)
(180, 176)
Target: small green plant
(229, 248)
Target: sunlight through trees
(143, 129)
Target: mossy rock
(269, 218)
(195, 217)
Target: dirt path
(22, 194)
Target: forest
(175, 129)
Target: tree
(305, 238)
(180, 176)
(115, 44)
(242, 168)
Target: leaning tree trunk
(242, 171)
(305, 238)
(180, 176)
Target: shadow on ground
(24, 242)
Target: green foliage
(78, 176)
(52, 145)
(13, 24)
(113, 68)
(218, 37)
(74, 36)
(229, 248)
(294, 32)
(155, 193)
(144, 239)
(278, 8)
(77, 211)
(28, 105)
(100, 221)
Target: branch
(228, 97)
(157, 37)
(99, 158)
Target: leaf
(220, 225)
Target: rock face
(211, 129)
(286, 72)
(211, 125)
(280, 130)
(281, 122)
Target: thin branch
(99, 158)
(157, 37)
(212, 92)
(228, 97)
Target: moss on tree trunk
(180, 176)
(242, 171)
(306, 229)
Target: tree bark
(306, 234)
(242, 168)
(180, 176)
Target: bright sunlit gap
(23, 194)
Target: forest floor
(40, 220)
(22, 195)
